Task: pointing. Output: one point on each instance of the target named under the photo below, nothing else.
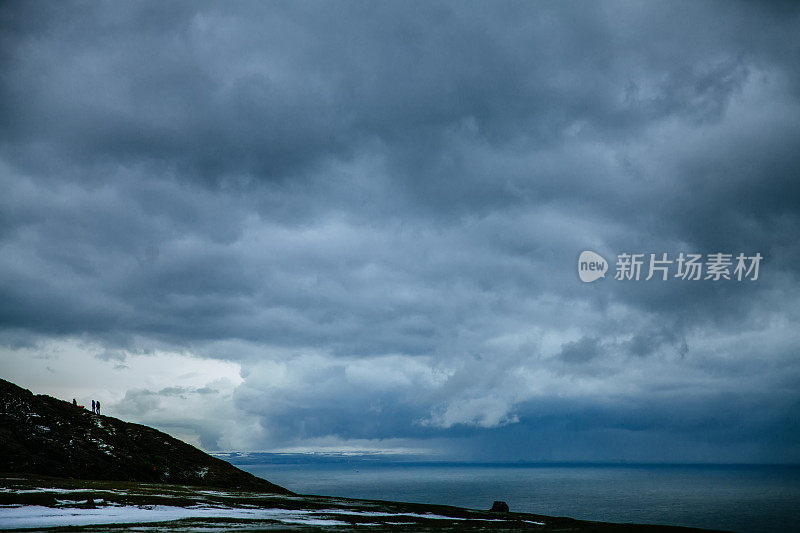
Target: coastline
(44, 503)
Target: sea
(746, 498)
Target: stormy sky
(354, 226)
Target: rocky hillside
(43, 435)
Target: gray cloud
(580, 351)
(383, 203)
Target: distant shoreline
(322, 457)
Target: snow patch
(36, 516)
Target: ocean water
(735, 498)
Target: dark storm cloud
(402, 189)
(580, 351)
(269, 90)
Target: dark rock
(499, 507)
(43, 435)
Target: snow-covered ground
(31, 504)
(35, 516)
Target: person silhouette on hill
(74, 402)
(97, 407)
(92, 406)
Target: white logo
(591, 266)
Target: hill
(43, 435)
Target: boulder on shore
(499, 507)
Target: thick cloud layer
(374, 212)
